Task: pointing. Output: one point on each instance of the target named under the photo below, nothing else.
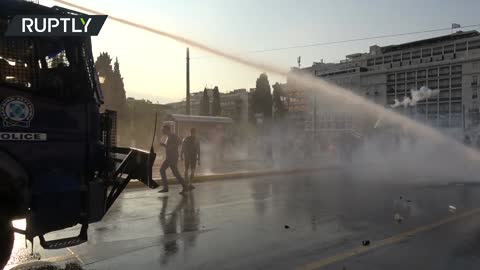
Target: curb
(226, 176)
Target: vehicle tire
(6, 242)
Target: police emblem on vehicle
(16, 111)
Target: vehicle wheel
(6, 242)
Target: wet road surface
(303, 221)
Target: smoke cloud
(417, 95)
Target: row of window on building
(444, 115)
(425, 52)
(441, 84)
(425, 73)
(445, 78)
(444, 96)
(435, 108)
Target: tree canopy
(279, 108)
(111, 83)
(262, 97)
(216, 106)
(205, 104)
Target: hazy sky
(153, 67)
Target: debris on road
(68, 266)
(73, 266)
(398, 218)
(366, 242)
(452, 209)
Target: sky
(153, 67)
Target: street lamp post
(314, 124)
(187, 101)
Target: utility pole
(314, 124)
(188, 84)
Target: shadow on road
(183, 218)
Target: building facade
(449, 63)
(234, 104)
(195, 99)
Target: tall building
(235, 105)
(449, 63)
(195, 99)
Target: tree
(279, 107)
(120, 98)
(262, 97)
(103, 65)
(251, 111)
(114, 95)
(216, 107)
(205, 104)
(111, 82)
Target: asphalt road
(303, 221)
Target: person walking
(190, 153)
(171, 160)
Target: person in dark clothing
(191, 154)
(467, 141)
(171, 159)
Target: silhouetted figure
(171, 159)
(190, 153)
(467, 141)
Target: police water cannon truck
(59, 162)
